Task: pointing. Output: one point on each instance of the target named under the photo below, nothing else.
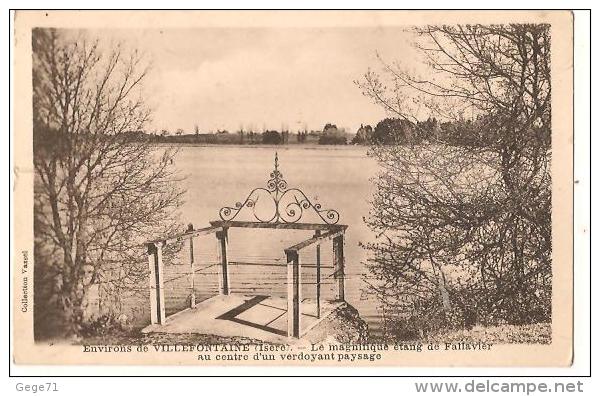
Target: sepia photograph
(303, 188)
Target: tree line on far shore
(330, 134)
(389, 131)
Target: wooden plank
(204, 231)
(154, 317)
(224, 269)
(297, 296)
(220, 225)
(277, 226)
(338, 263)
(294, 295)
(316, 239)
(192, 270)
(188, 234)
(160, 292)
(271, 264)
(290, 296)
(318, 234)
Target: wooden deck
(258, 317)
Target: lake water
(335, 176)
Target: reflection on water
(217, 176)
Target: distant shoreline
(266, 146)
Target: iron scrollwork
(287, 204)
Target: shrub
(332, 139)
(271, 137)
(103, 325)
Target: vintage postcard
(344, 188)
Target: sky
(255, 78)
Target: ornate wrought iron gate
(288, 206)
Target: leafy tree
(329, 126)
(271, 137)
(428, 130)
(363, 135)
(301, 136)
(393, 131)
(332, 135)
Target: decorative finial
(288, 204)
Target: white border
(582, 260)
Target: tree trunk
(441, 285)
(443, 291)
